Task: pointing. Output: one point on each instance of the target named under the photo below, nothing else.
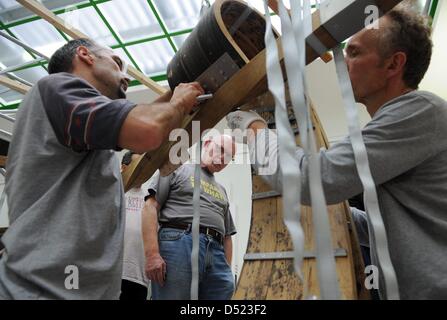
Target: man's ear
(396, 63)
(84, 55)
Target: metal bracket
(287, 255)
(218, 73)
(265, 195)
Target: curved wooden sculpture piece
(268, 271)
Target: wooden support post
(50, 17)
(14, 85)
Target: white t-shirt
(134, 259)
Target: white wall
(435, 79)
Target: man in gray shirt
(168, 249)
(406, 145)
(64, 187)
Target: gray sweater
(65, 194)
(407, 150)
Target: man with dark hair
(62, 59)
(65, 240)
(406, 146)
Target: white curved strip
(294, 42)
(289, 165)
(196, 227)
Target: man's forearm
(228, 249)
(150, 229)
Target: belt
(205, 230)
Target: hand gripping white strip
(361, 158)
(195, 227)
(286, 144)
(294, 42)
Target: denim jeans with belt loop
(216, 280)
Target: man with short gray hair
(406, 146)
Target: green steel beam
(134, 42)
(433, 8)
(162, 24)
(158, 37)
(115, 35)
(56, 12)
(10, 106)
(133, 83)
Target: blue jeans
(215, 277)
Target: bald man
(169, 212)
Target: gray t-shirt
(65, 194)
(406, 141)
(174, 193)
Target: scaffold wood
(275, 279)
(14, 85)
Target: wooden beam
(273, 4)
(14, 85)
(50, 17)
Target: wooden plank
(14, 85)
(50, 17)
(276, 279)
(273, 4)
(262, 227)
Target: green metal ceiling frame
(119, 43)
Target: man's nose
(347, 61)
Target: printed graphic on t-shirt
(209, 189)
(134, 203)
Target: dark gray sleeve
(82, 118)
(159, 187)
(230, 228)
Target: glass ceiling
(146, 33)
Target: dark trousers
(132, 291)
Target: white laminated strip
(370, 194)
(286, 144)
(295, 66)
(196, 227)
